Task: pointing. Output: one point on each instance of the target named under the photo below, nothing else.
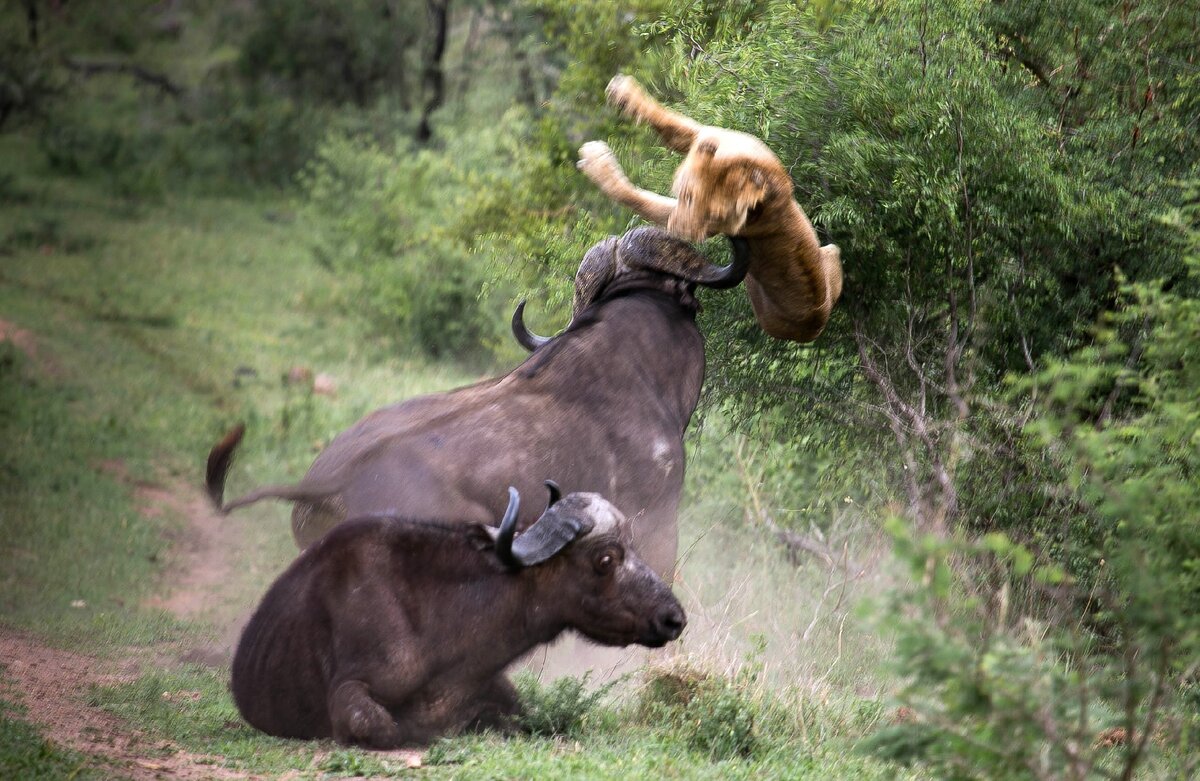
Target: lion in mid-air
(730, 183)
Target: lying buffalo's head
(642, 249)
(579, 554)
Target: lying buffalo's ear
(555, 492)
(555, 530)
(481, 536)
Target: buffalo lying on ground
(602, 406)
(390, 633)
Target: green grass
(24, 754)
(156, 327)
(648, 735)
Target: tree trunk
(433, 79)
(31, 21)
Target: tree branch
(153, 78)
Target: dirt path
(200, 561)
(198, 571)
(27, 343)
(51, 683)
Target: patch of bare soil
(199, 564)
(50, 683)
(199, 561)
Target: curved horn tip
(555, 493)
(514, 506)
(508, 529)
(733, 274)
(527, 339)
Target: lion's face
(714, 191)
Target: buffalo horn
(551, 533)
(648, 248)
(652, 248)
(508, 529)
(725, 277)
(526, 338)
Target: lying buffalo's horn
(555, 493)
(526, 338)
(508, 529)
(555, 530)
(653, 248)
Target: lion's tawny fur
(730, 183)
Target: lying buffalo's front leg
(498, 707)
(359, 720)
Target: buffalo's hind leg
(359, 720)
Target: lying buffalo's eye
(605, 562)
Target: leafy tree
(341, 52)
(1014, 668)
(980, 230)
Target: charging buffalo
(602, 406)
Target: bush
(388, 222)
(28, 82)
(82, 139)
(715, 715)
(336, 51)
(719, 721)
(560, 709)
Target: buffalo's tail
(220, 458)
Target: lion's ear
(750, 188)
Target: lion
(729, 183)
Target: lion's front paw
(600, 165)
(625, 94)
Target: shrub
(337, 51)
(388, 224)
(715, 715)
(560, 708)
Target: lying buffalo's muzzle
(669, 623)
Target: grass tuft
(26, 755)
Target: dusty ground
(51, 683)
